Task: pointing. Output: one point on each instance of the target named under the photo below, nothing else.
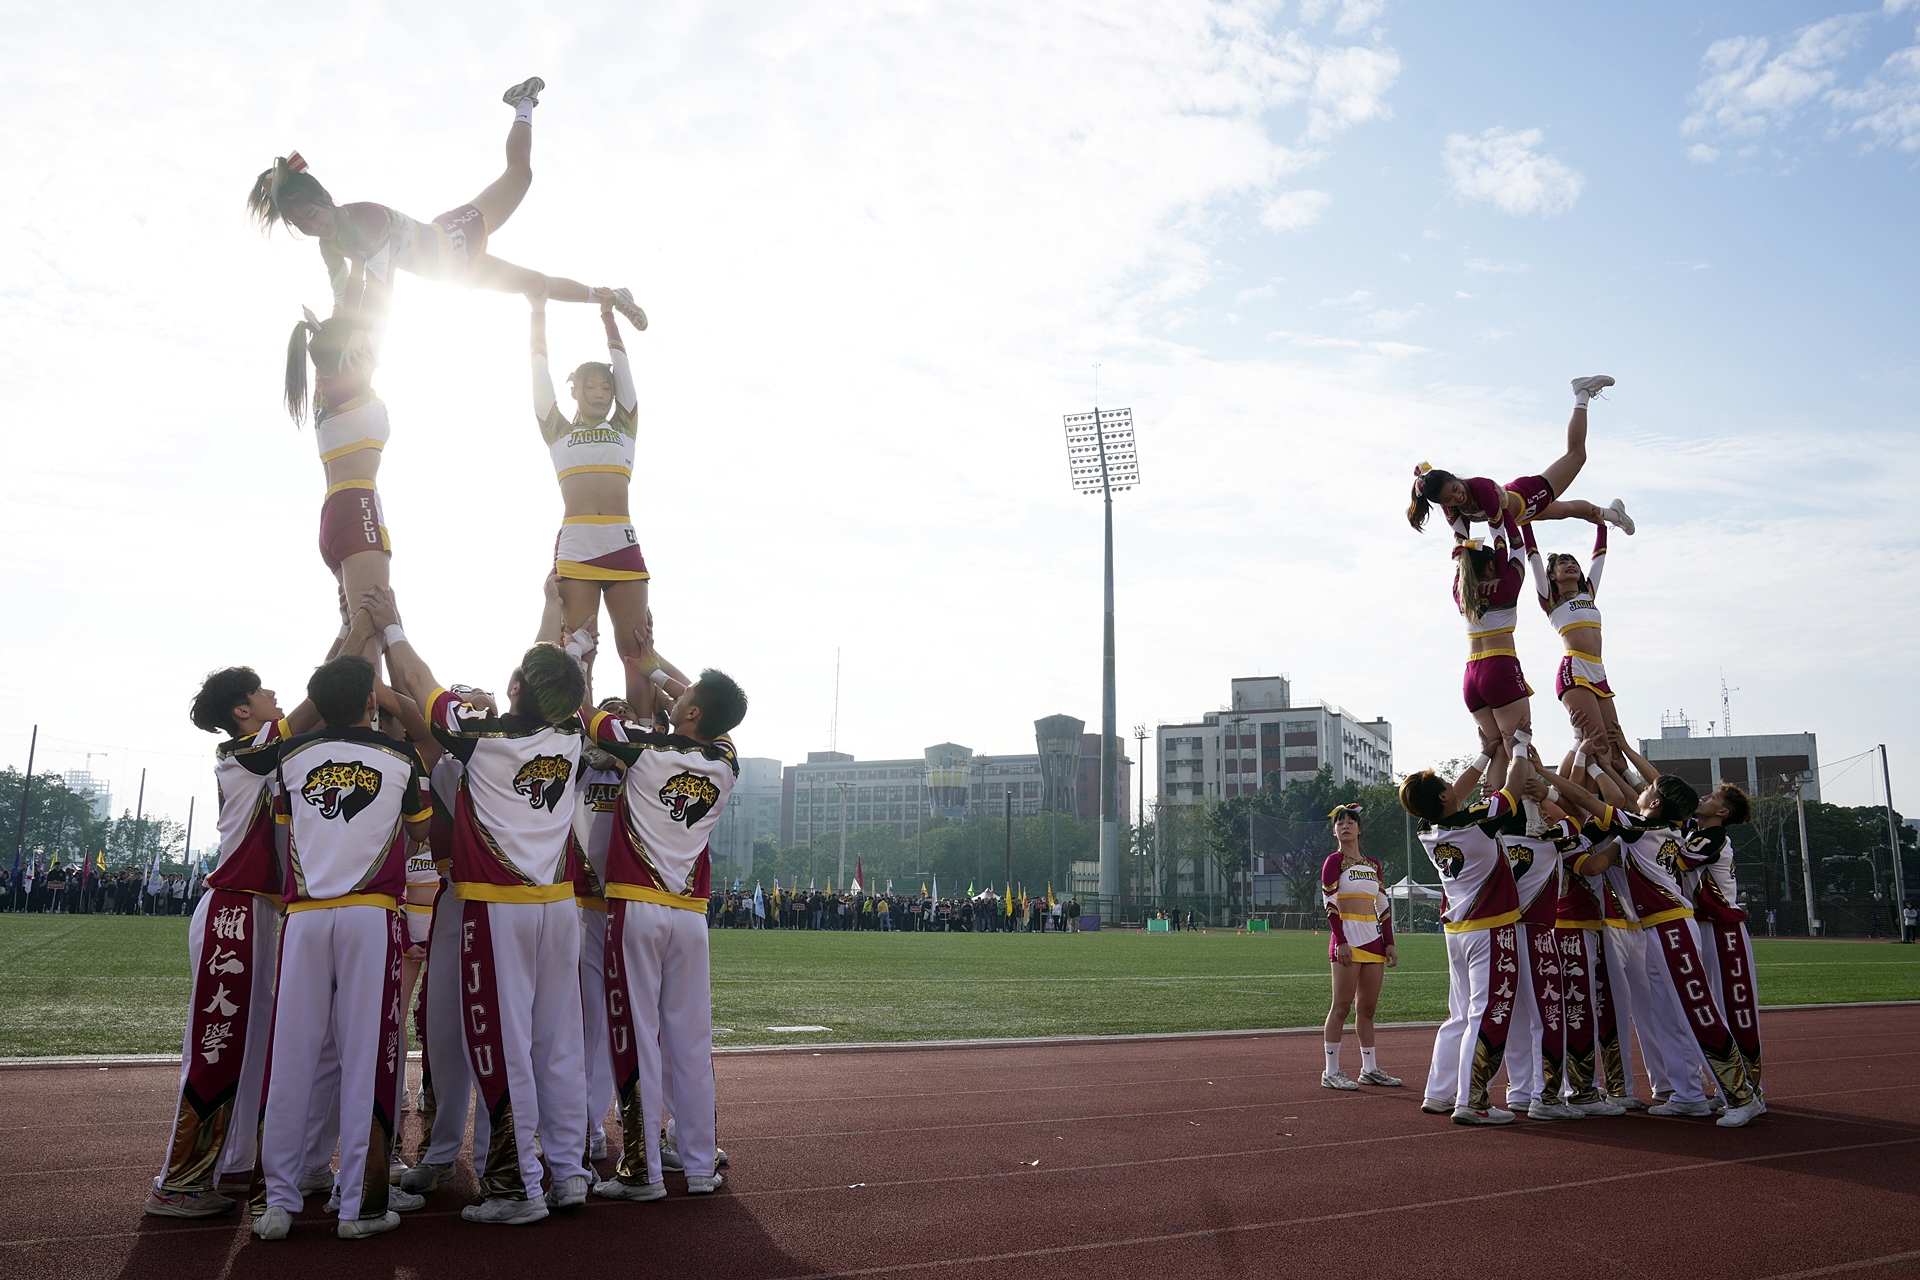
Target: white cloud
(1482, 267)
(1742, 92)
(1349, 87)
(1358, 300)
(1262, 292)
(1887, 106)
(1355, 15)
(1506, 170)
(1294, 210)
(1701, 153)
(1386, 321)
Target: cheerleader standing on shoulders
(1360, 918)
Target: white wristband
(1594, 771)
(659, 676)
(394, 635)
(345, 627)
(1553, 794)
(1633, 776)
(581, 643)
(1481, 762)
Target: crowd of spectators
(888, 912)
(73, 891)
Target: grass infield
(84, 984)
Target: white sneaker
(567, 1192)
(1600, 1107)
(1674, 1107)
(1436, 1106)
(704, 1186)
(1631, 1103)
(361, 1228)
(1492, 1115)
(187, 1204)
(1336, 1080)
(333, 1200)
(614, 1189)
(505, 1212)
(1592, 385)
(404, 1201)
(1759, 1102)
(529, 88)
(396, 1170)
(719, 1157)
(1735, 1117)
(670, 1154)
(273, 1224)
(1542, 1109)
(1381, 1078)
(314, 1181)
(598, 1149)
(1615, 512)
(425, 1177)
(623, 303)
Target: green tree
(59, 821)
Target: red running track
(1189, 1157)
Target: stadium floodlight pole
(1893, 834)
(1100, 459)
(1799, 782)
(1140, 824)
(844, 788)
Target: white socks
(1366, 1060)
(524, 111)
(1580, 399)
(1333, 1056)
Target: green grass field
(79, 984)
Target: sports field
(79, 984)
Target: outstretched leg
(504, 194)
(1562, 470)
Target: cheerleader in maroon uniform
(1360, 919)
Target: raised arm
(1599, 560)
(1542, 585)
(1648, 774)
(624, 393)
(544, 400)
(408, 668)
(407, 711)
(1456, 796)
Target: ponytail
(1475, 565)
(285, 180)
(1427, 484)
(296, 388)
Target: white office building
(753, 810)
(1261, 735)
(1759, 763)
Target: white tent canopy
(1407, 888)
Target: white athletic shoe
(1436, 1106)
(614, 1189)
(396, 1170)
(1615, 512)
(1735, 1117)
(719, 1157)
(404, 1201)
(670, 1153)
(1593, 385)
(505, 1212)
(1336, 1080)
(314, 1181)
(704, 1186)
(623, 303)
(187, 1204)
(333, 1199)
(1381, 1078)
(361, 1228)
(598, 1149)
(1492, 1115)
(1674, 1107)
(567, 1193)
(273, 1224)
(531, 88)
(1759, 1102)
(425, 1177)
(1631, 1103)
(1600, 1107)
(1542, 1109)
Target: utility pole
(1893, 834)
(844, 788)
(1799, 782)
(26, 791)
(1140, 824)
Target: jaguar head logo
(543, 781)
(341, 789)
(689, 797)
(1669, 856)
(1449, 859)
(1520, 858)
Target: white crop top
(1577, 610)
(360, 423)
(585, 447)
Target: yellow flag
(1009, 899)
(100, 860)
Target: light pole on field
(845, 787)
(1100, 459)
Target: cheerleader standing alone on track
(1360, 918)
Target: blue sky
(883, 244)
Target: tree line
(60, 821)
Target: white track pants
(446, 1048)
(333, 980)
(1626, 953)
(593, 1016)
(660, 1000)
(1666, 1022)
(1524, 1074)
(1482, 985)
(520, 965)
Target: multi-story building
(96, 791)
(1758, 762)
(1260, 735)
(753, 811)
(949, 780)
